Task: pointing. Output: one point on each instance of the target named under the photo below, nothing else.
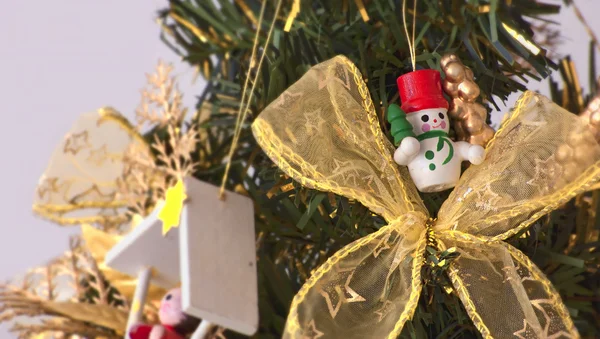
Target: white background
(59, 59)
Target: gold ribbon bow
(323, 132)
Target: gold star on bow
(545, 169)
(77, 142)
(98, 156)
(384, 310)
(526, 332)
(313, 332)
(344, 79)
(286, 99)
(47, 185)
(313, 121)
(340, 295)
(171, 211)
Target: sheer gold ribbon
(323, 132)
(81, 184)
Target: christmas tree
(250, 52)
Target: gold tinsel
(469, 116)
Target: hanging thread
(411, 41)
(244, 108)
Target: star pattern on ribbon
(98, 156)
(538, 304)
(382, 245)
(325, 80)
(346, 169)
(77, 142)
(487, 199)
(369, 180)
(526, 332)
(313, 120)
(286, 97)
(313, 332)
(385, 309)
(337, 295)
(47, 185)
(545, 170)
(94, 192)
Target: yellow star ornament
(171, 211)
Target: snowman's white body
(434, 168)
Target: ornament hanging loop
(409, 39)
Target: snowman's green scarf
(442, 138)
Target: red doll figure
(174, 324)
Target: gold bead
(595, 119)
(460, 132)
(459, 109)
(474, 124)
(564, 153)
(486, 135)
(588, 135)
(583, 154)
(570, 171)
(448, 58)
(455, 72)
(479, 110)
(469, 74)
(452, 112)
(468, 91)
(477, 139)
(575, 138)
(451, 88)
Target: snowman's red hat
(420, 90)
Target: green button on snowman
(420, 130)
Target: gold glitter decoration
(469, 116)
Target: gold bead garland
(576, 153)
(469, 116)
(591, 115)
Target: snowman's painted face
(170, 312)
(429, 120)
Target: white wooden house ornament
(211, 254)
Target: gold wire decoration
(323, 132)
(55, 292)
(469, 116)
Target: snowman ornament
(420, 128)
